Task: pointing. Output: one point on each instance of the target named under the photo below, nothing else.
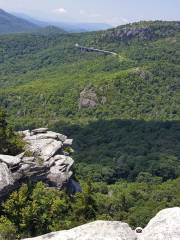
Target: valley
(131, 96)
(121, 110)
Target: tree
(10, 143)
(84, 205)
(7, 229)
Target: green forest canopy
(128, 144)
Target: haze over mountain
(67, 26)
(19, 23)
(12, 24)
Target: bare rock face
(99, 230)
(48, 162)
(39, 130)
(164, 226)
(90, 99)
(6, 178)
(138, 31)
(10, 160)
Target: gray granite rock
(10, 160)
(44, 148)
(21, 155)
(99, 230)
(6, 178)
(88, 98)
(39, 130)
(63, 160)
(47, 163)
(28, 159)
(50, 149)
(51, 162)
(164, 226)
(46, 135)
(24, 168)
(62, 137)
(68, 142)
(60, 157)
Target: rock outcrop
(164, 226)
(45, 159)
(90, 99)
(99, 230)
(141, 31)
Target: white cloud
(60, 10)
(88, 14)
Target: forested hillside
(122, 111)
(11, 24)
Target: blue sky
(114, 12)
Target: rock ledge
(164, 226)
(45, 159)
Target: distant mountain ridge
(50, 30)
(12, 24)
(21, 23)
(67, 26)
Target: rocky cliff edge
(164, 226)
(46, 158)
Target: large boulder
(49, 162)
(89, 98)
(164, 226)
(60, 171)
(10, 160)
(6, 178)
(44, 148)
(99, 230)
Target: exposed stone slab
(47, 135)
(164, 226)
(39, 130)
(99, 230)
(68, 142)
(10, 160)
(47, 162)
(45, 148)
(28, 159)
(62, 137)
(6, 177)
(50, 149)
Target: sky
(113, 12)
